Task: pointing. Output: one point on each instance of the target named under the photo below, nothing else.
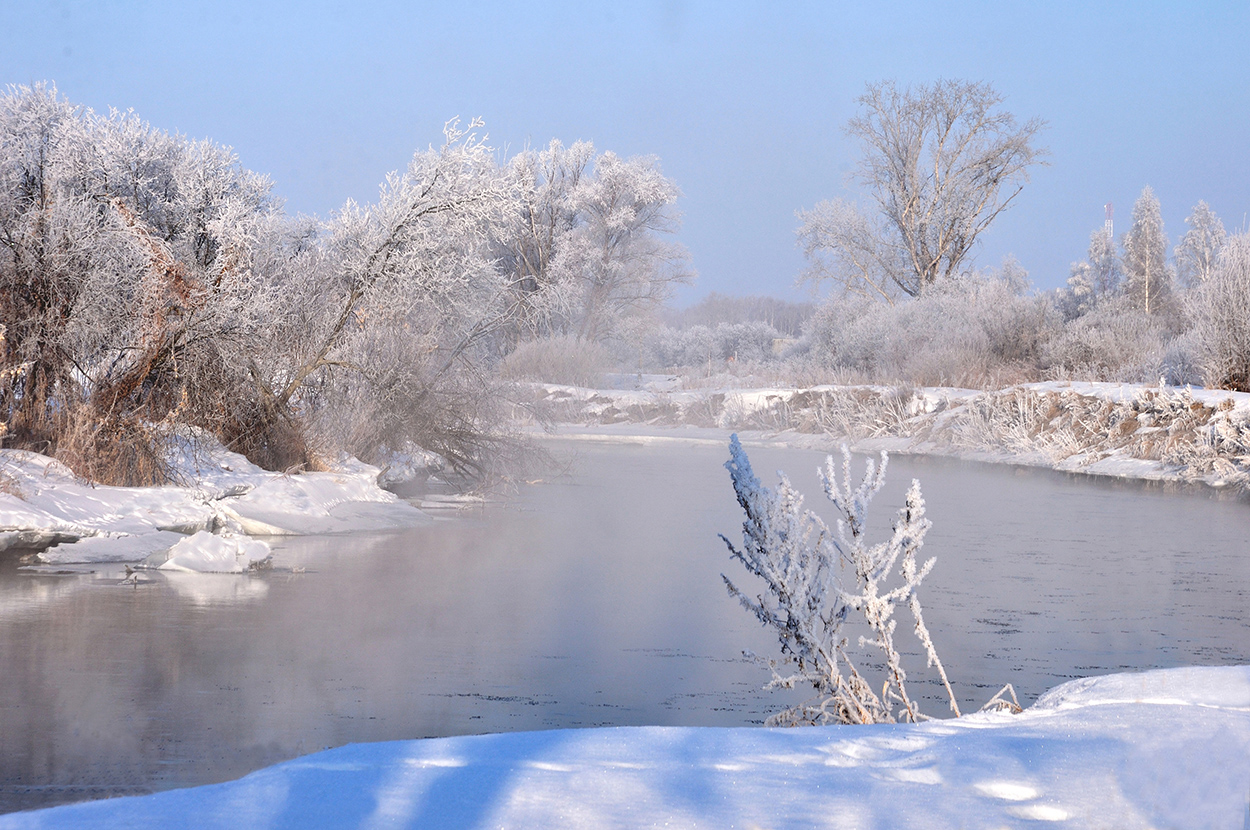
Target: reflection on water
(587, 601)
(213, 589)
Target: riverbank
(1167, 748)
(50, 517)
(1129, 431)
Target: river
(593, 598)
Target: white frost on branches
(805, 602)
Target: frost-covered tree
(399, 312)
(150, 282)
(620, 261)
(127, 262)
(587, 242)
(1199, 249)
(1078, 297)
(1148, 278)
(546, 184)
(1096, 279)
(1106, 268)
(807, 599)
(1221, 313)
(940, 163)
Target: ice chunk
(209, 553)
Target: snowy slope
(1166, 748)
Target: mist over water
(591, 599)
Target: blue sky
(743, 103)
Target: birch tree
(1148, 279)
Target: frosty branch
(792, 551)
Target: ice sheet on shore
(1166, 748)
(42, 502)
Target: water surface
(590, 599)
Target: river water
(592, 598)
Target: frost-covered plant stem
(873, 565)
(794, 553)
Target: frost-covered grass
(1118, 429)
(203, 524)
(1167, 748)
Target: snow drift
(1167, 748)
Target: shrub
(559, 359)
(970, 331)
(698, 345)
(1115, 341)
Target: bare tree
(940, 163)
(1200, 247)
(1148, 279)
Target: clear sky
(743, 102)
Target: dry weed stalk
(806, 603)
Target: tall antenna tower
(1109, 225)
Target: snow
(220, 493)
(209, 553)
(1124, 392)
(1168, 748)
(936, 421)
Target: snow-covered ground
(1161, 749)
(204, 525)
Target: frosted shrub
(784, 316)
(970, 331)
(793, 552)
(558, 359)
(1115, 341)
(697, 345)
(1222, 321)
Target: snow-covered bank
(1111, 429)
(1166, 748)
(202, 525)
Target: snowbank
(1159, 749)
(42, 503)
